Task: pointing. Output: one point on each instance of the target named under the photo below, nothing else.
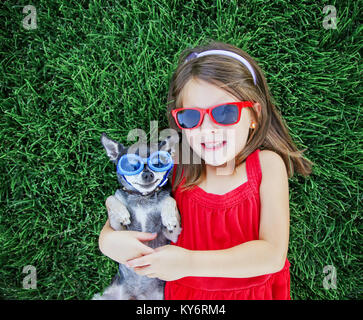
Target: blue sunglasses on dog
(132, 164)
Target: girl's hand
(166, 263)
(121, 246)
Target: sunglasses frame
(143, 161)
(239, 104)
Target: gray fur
(143, 211)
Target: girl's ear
(258, 108)
(254, 119)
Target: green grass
(105, 67)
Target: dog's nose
(147, 176)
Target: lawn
(104, 66)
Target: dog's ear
(113, 148)
(170, 143)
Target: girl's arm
(250, 259)
(263, 256)
(123, 245)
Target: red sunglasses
(225, 114)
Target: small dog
(143, 204)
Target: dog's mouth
(148, 185)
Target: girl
(234, 202)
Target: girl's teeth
(213, 145)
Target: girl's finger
(145, 249)
(145, 236)
(142, 271)
(138, 262)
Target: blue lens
(160, 161)
(225, 114)
(188, 118)
(129, 164)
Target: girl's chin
(219, 162)
(212, 159)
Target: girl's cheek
(191, 139)
(192, 143)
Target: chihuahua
(143, 203)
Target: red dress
(212, 222)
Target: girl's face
(201, 94)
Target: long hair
(229, 74)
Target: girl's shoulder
(268, 155)
(271, 163)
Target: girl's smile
(213, 146)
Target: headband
(224, 53)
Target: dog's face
(147, 180)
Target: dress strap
(253, 167)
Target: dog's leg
(170, 219)
(118, 214)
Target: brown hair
(271, 131)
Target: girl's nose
(207, 123)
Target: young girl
(234, 203)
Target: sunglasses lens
(188, 118)
(225, 114)
(160, 161)
(129, 163)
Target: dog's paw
(170, 219)
(168, 216)
(118, 214)
(172, 235)
(119, 219)
(170, 222)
